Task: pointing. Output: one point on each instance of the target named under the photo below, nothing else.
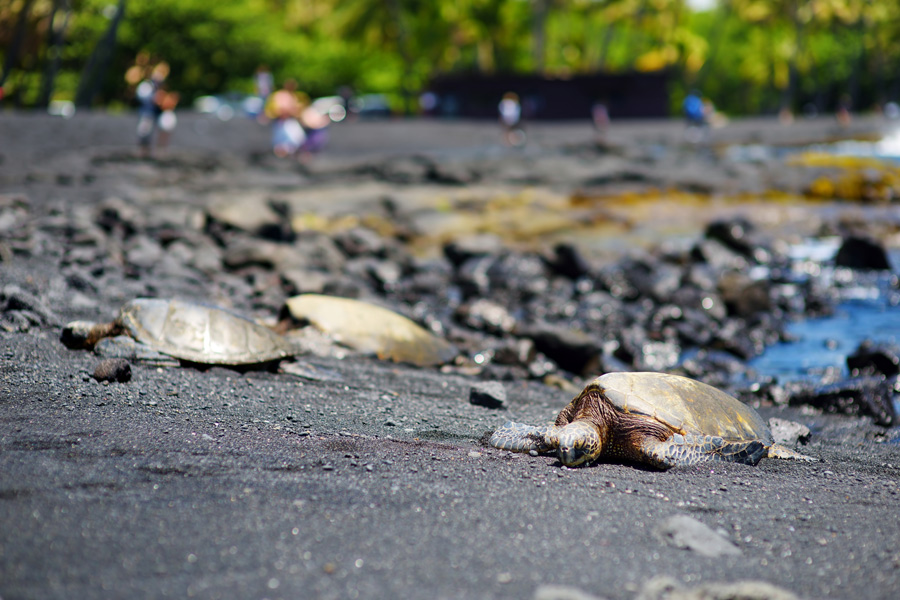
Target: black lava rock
(572, 350)
(865, 396)
(113, 369)
(863, 254)
(490, 394)
(871, 358)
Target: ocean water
(869, 309)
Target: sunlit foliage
(747, 56)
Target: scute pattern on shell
(200, 333)
(685, 405)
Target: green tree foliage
(748, 56)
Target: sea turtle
(188, 331)
(368, 328)
(653, 418)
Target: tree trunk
(538, 33)
(55, 37)
(98, 63)
(406, 93)
(714, 44)
(12, 53)
(790, 92)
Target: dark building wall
(630, 95)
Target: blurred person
(315, 126)
(600, 118)
(428, 103)
(511, 119)
(843, 110)
(695, 116)
(148, 108)
(263, 84)
(139, 71)
(284, 109)
(892, 110)
(785, 116)
(346, 94)
(166, 101)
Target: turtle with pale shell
(651, 418)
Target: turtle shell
(200, 333)
(685, 405)
(371, 329)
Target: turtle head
(579, 443)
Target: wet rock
(303, 281)
(490, 394)
(718, 255)
(714, 367)
(572, 350)
(19, 309)
(667, 588)
(862, 253)
(613, 279)
(525, 275)
(735, 337)
(113, 369)
(688, 533)
(143, 252)
(485, 315)
(253, 213)
(472, 277)
(360, 241)
(119, 218)
(466, 247)
(316, 252)
(383, 275)
(788, 433)
(863, 396)
(872, 358)
(644, 351)
(515, 352)
(653, 278)
(567, 260)
(16, 229)
(741, 236)
(406, 169)
(744, 296)
(734, 233)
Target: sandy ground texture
(375, 481)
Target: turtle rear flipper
(685, 450)
(518, 437)
(779, 451)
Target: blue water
(869, 310)
(825, 343)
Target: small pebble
(113, 369)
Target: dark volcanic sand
(212, 483)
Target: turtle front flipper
(518, 437)
(779, 451)
(685, 450)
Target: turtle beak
(570, 456)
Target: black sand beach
(374, 480)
